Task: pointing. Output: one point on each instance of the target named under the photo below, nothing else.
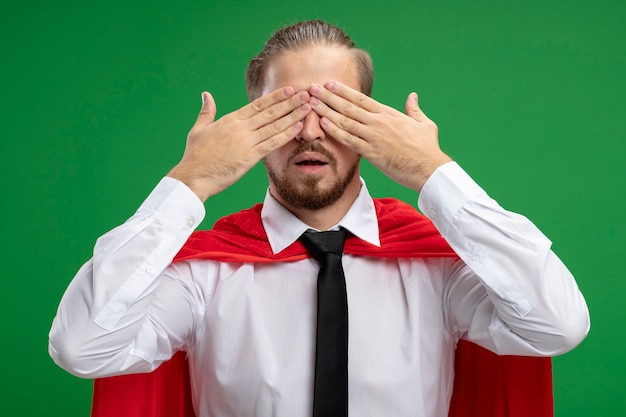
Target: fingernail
(332, 85)
(316, 88)
(287, 91)
(303, 96)
(314, 102)
(202, 98)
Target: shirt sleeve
(509, 293)
(105, 321)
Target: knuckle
(348, 124)
(433, 125)
(270, 111)
(352, 142)
(257, 105)
(347, 108)
(272, 143)
(273, 128)
(269, 145)
(346, 138)
(361, 99)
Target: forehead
(314, 64)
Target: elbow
(574, 331)
(573, 324)
(69, 358)
(85, 355)
(564, 334)
(70, 353)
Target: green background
(97, 98)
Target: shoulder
(398, 210)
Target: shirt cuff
(446, 192)
(174, 204)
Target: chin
(310, 192)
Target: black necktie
(330, 397)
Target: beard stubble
(305, 191)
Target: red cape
(485, 385)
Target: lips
(310, 159)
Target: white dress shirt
(249, 329)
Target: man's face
(313, 171)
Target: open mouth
(311, 162)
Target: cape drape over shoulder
(485, 385)
(240, 237)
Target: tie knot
(319, 243)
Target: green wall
(97, 98)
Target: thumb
(412, 109)
(208, 110)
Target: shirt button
(432, 212)
(473, 257)
(190, 222)
(149, 269)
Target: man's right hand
(218, 153)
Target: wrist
(199, 185)
(427, 168)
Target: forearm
(531, 302)
(101, 324)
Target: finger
(352, 125)
(280, 125)
(353, 96)
(264, 102)
(343, 136)
(278, 140)
(278, 110)
(207, 111)
(336, 104)
(412, 109)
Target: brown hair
(301, 35)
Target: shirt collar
(283, 228)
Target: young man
(242, 301)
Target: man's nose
(311, 130)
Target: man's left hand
(403, 146)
